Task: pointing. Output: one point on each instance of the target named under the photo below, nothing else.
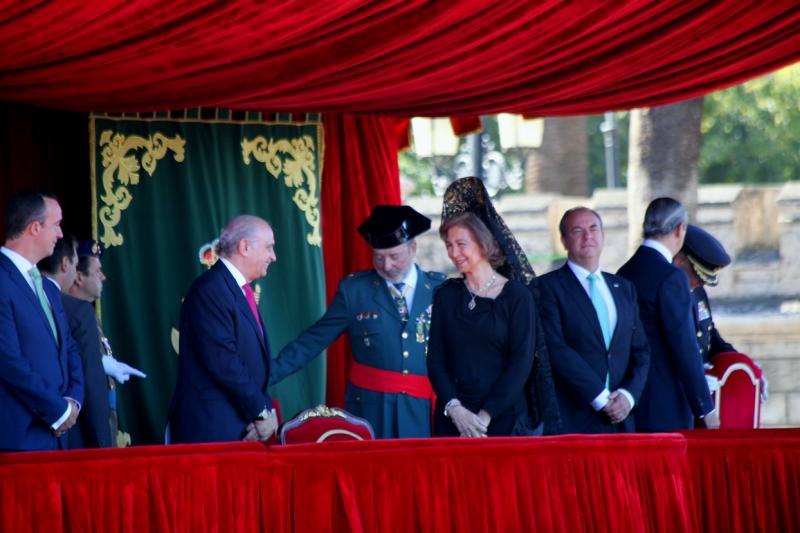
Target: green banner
(162, 191)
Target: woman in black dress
(480, 350)
(490, 373)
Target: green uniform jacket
(364, 308)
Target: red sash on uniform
(376, 379)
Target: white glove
(119, 370)
(713, 383)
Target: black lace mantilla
(470, 195)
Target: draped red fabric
(746, 480)
(401, 57)
(570, 483)
(465, 125)
(359, 172)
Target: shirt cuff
(628, 395)
(714, 410)
(601, 400)
(57, 423)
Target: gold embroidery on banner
(121, 166)
(295, 159)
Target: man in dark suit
(676, 391)
(386, 312)
(76, 270)
(92, 429)
(223, 368)
(597, 345)
(41, 381)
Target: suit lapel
(52, 292)
(582, 301)
(422, 293)
(241, 303)
(26, 289)
(619, 301)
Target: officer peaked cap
(391, 225)
(90, 248)
(705, 253)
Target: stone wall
(757, 303)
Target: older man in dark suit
(676, 391)
(598, 348)
(41, 381)
(223, 368)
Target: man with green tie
(41, 380)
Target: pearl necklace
(479, 292)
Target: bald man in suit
(597, 345)
(224, 366)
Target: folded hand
(617, 407)
(468, 423)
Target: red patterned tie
(251, 300)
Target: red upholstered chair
(738, 399)
(323, 423)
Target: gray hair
(562, 225)
(663, 215)
(242, 227)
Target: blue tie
(600, 308)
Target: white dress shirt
(658, 247)
(410, 280)
(582, 274)
(241, 281)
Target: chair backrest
(323, 423)
(738, 400)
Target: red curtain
(746, 480)
(360, 171)
(710, 481)
(571, 483)
(400, 57)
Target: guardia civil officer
(386, 313)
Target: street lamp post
(609, 129)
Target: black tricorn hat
(90, 248)
(705, 253)
(391, 225)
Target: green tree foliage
(418, 171)
(751, 132)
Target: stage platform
(694, 481)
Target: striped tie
(398, 291)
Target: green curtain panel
(162, 191)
